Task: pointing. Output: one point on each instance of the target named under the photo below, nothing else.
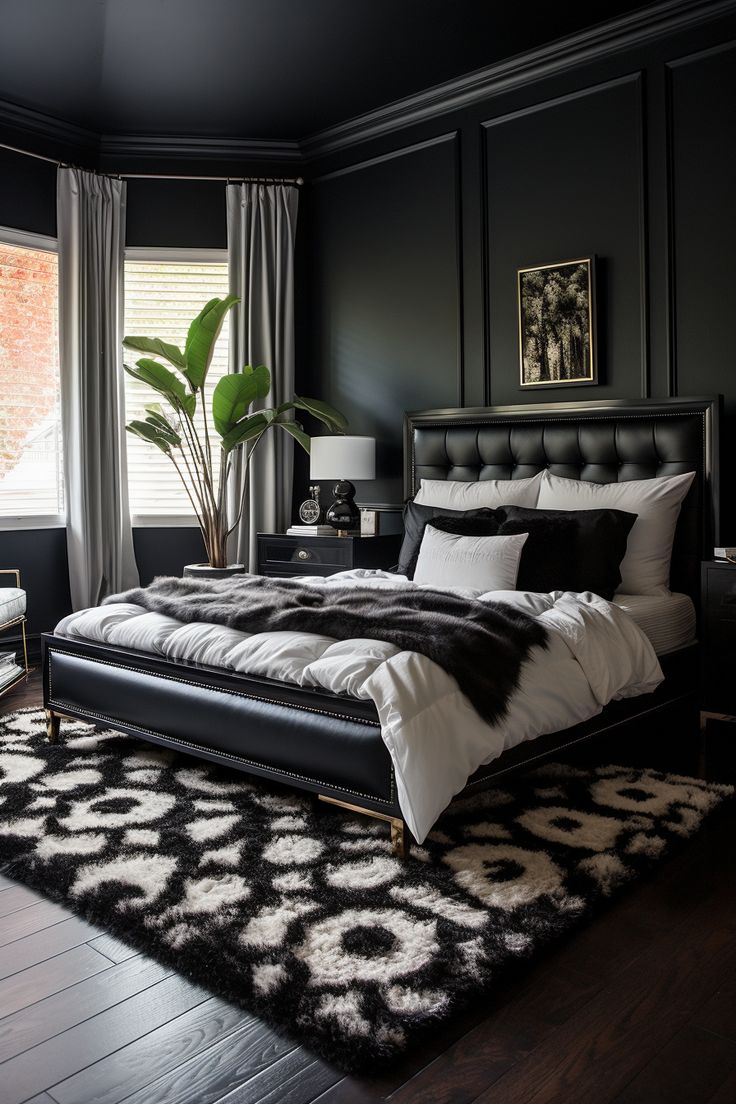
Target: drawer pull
(304, 554)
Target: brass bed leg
(53, 722)
(399, 838)
(399, 831)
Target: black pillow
(416, 518)
(482, 523)
(569, 549)
(549, 556)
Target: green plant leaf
(243, 431)
(295, 431)
(203, 333)
(327, 414)
(165, 382)
(148, 432)
(160, 379)
(155, 345)
(155, 412)
(234, 394)
(165, 429)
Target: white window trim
(26, 239)
(172, 256)
(32, 521)
(166, 521)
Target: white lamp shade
(342, 458)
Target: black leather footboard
(311, 740)
(307, 739)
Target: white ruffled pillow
(483, 563)
(645, 569)
(453, 494)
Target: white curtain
(261, 228)
(91, 231)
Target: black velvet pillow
(569, 549)
(416, 518)
(549, 556)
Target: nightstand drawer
(721, 596)
(326, 551)
(293, 571)
(285, 556)
(718, 637)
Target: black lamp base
(343, 514)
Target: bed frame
(331, 745)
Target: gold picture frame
(557, 332)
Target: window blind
(161, 299)
(30, 431)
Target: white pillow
(452, 494)
(645, 569)
(484, 563)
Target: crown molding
(194, 148)
(29, 120)
(58, 132)
(622, 33)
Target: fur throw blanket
(481, 644)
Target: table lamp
(343, 458)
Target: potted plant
(188, 434)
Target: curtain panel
(91, 231)
(261, 230)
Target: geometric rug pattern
(299, 911)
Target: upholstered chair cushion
(12, 603)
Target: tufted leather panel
(600, 442)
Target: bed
(332, 744)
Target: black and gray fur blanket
(481, 644)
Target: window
(31, 485)
(163, 293)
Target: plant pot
(206, 571)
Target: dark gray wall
(384, 280)
(564, 181)
(40, 554)
(27, 194)
(416, 245)
(164, 551)
(176, 214)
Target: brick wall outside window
(30, 481)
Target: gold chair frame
(8, 625)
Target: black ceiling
(259, 69)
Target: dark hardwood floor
(639, 1007)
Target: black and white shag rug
(303, 915)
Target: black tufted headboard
(603, 441)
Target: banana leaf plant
(187, 433)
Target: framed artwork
(557, 324)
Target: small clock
(310, 511)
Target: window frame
(26, 239)
(163, 255)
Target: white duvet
(436, 740)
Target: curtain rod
(297, 180)
(234, 179)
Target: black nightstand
(718, 637)
(286, 557)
